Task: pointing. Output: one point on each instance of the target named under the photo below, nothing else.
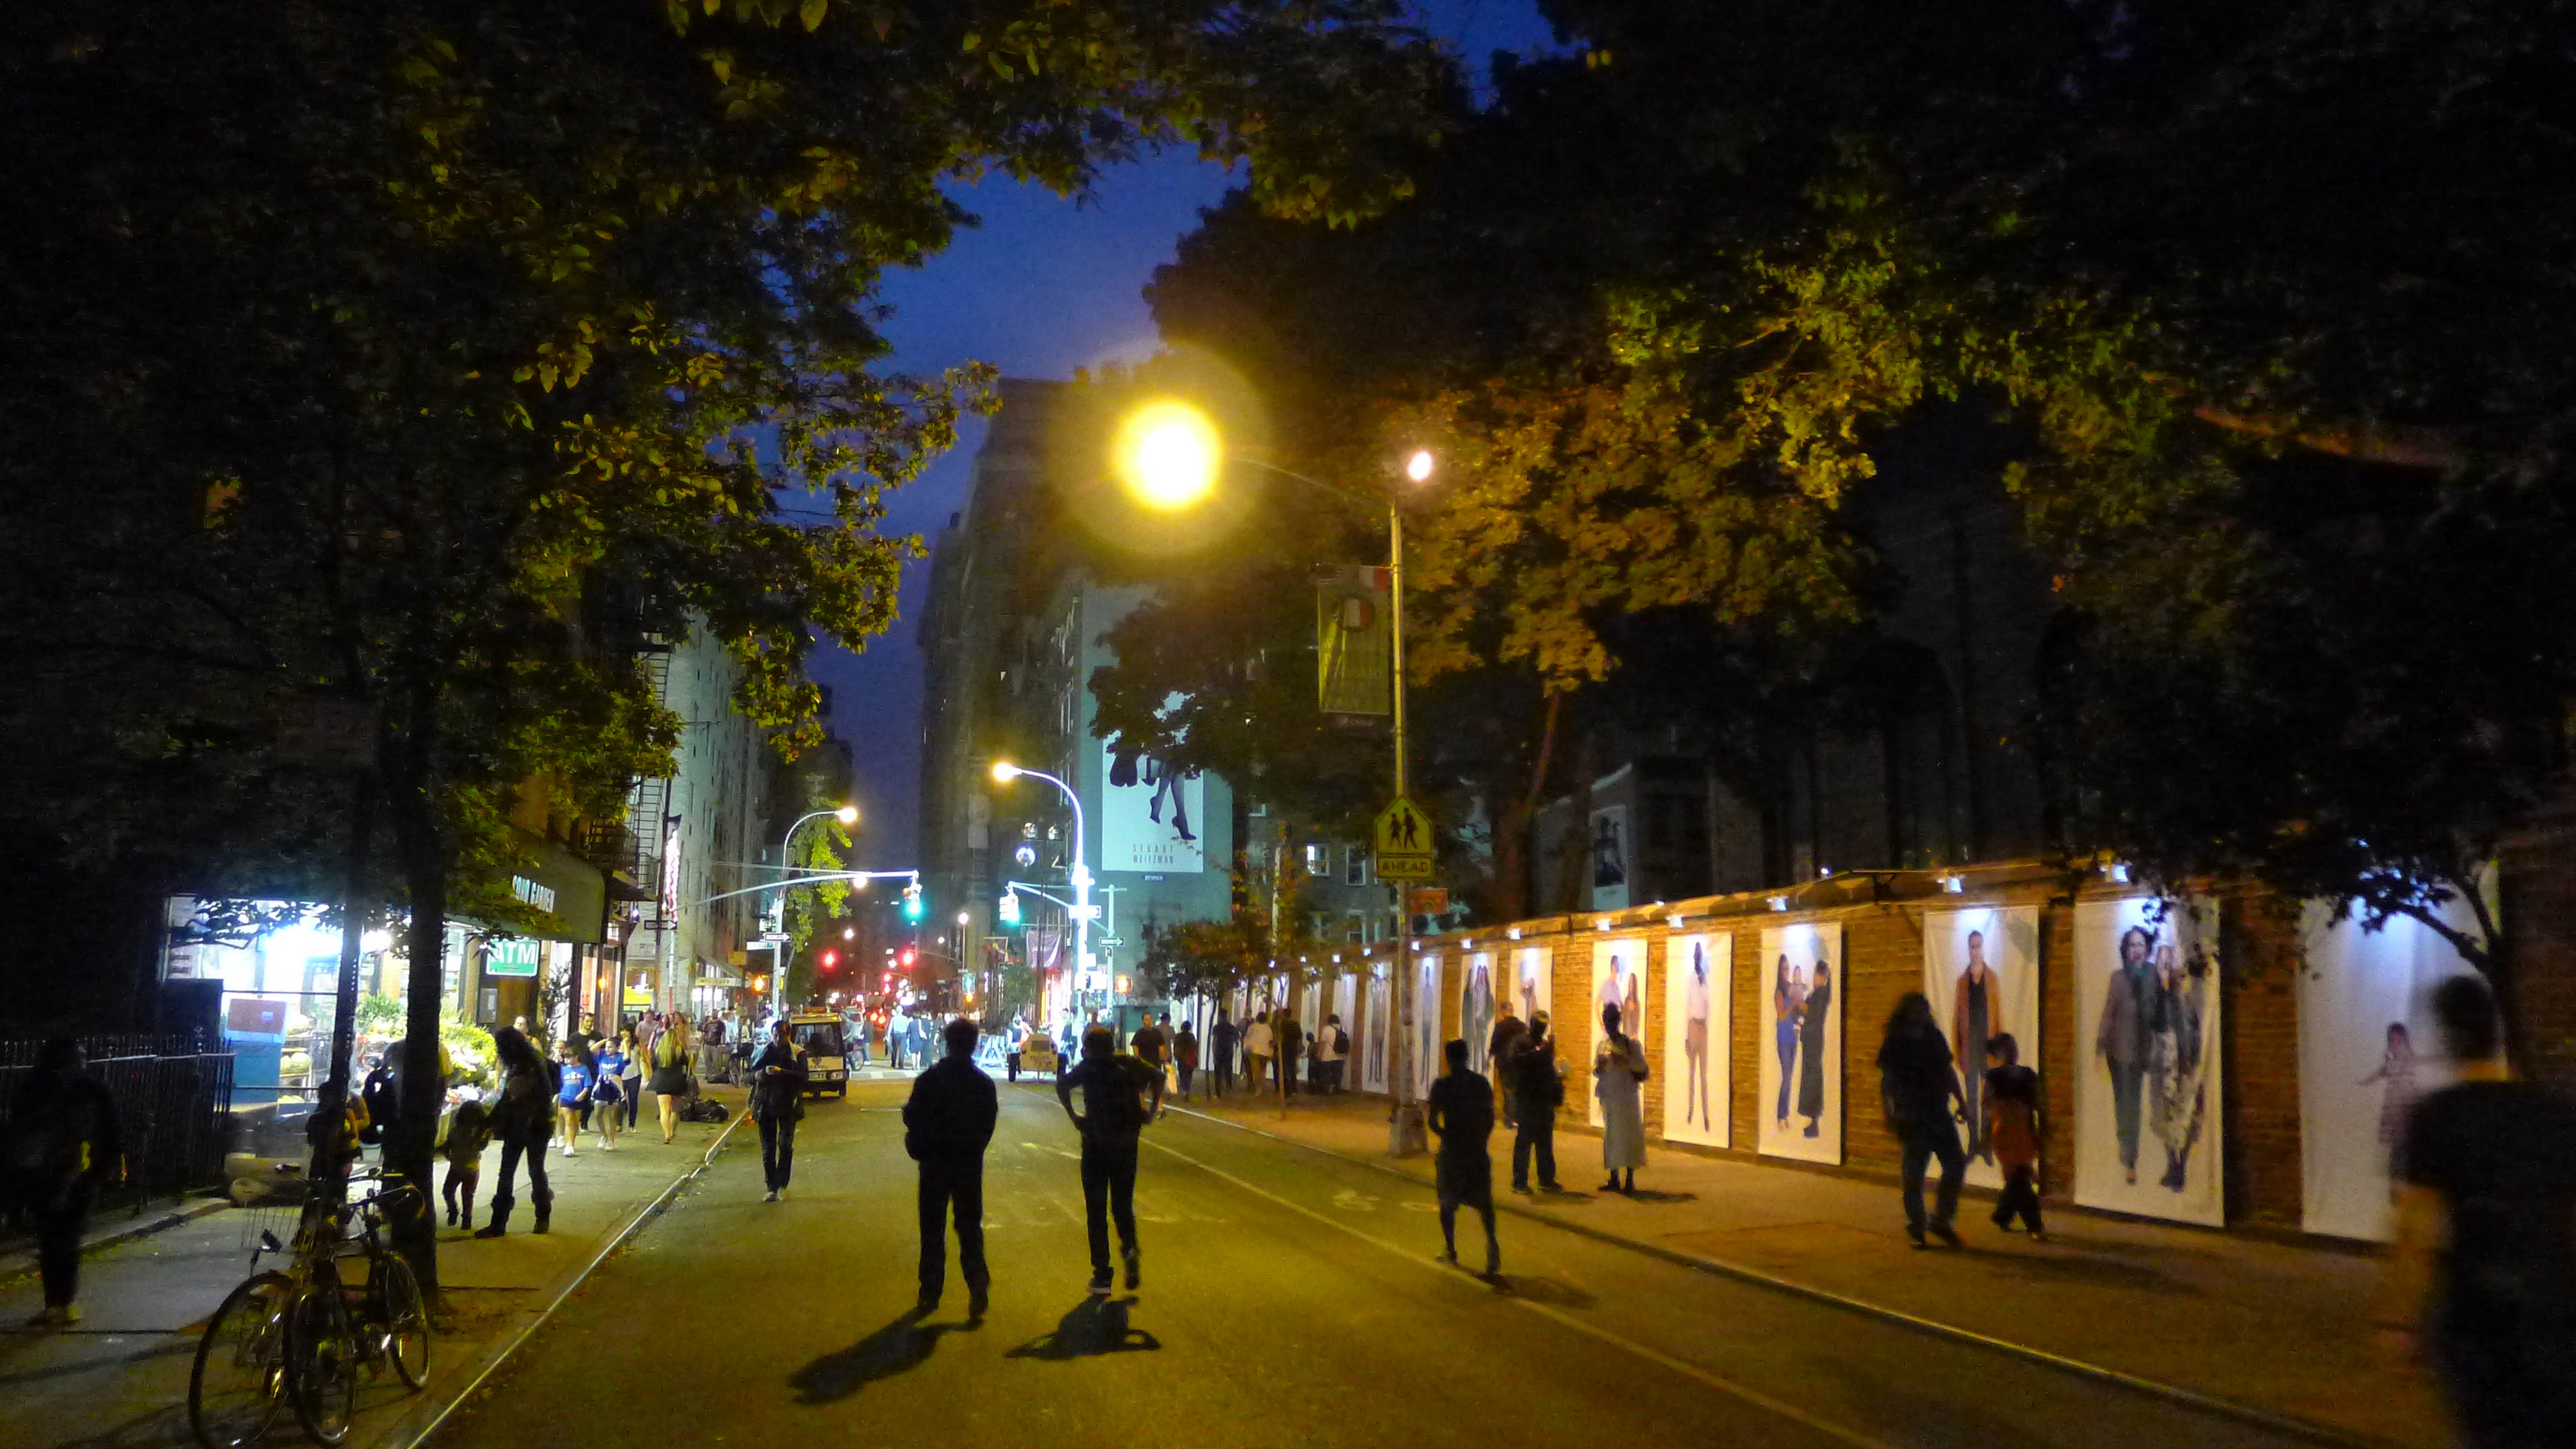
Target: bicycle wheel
(239, 1378)
(397, 1312)
(322, 1361)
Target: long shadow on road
(1095, 1326)
(899, 1347)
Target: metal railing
(174, 1102)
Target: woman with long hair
(671, 1073)
(522, 1120)
(1814, 1013)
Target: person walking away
(1618, 1083)
(947, 1122)
(2482, 1280)
(1288, 1043)
(64, 1143)
(1331, 1046)
(522, 1120)
(1185, 1055)
(608, 1090)
(1538, 1088)
(1462, 1117)
(670, 1082)
(2013, 1116)
(572, 1097)
(1507, 1034)
(1224, 1041)
(1256, 1054)
(1917, 1083)
(468, 1133)
(778, 1079)
(1114, 1112)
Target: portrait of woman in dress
(1811, 1048)
(1695, 1040)
(1788, 1003)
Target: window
(1355, 929)
(1319, 860)
(1355, 867)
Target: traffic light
(914, 907)
(1010, 910)
(831, 959)
(907, 958)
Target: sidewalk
(120, 1380)
(2279, 1328)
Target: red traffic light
(907, 958)
(830, 959)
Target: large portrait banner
(1801, 1098)
(1534, 984)
(1698, 1028)
(2147, 1079)
(1981, 970)
(1618, 979)
(1377, 1031)
(2367, 1053)
(1426, 1023)
(1476, 1010)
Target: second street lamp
(1169, 456)
(1004, 772)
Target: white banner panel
(2147, 1078)
(1618, 979)
(1534, 983)
(1427, 1062)
(1476, 1010)
(1698, 1015)
(1981, 970)
(1801, 1101)
(1378, 1032)
(2367, 1051)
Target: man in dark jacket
(778, 1078)
(1537, 1088)
(1114, 1112)
(62, 1146)
(1291, 1044)
(1222, 1043)
(946, 1125)
(1508, 1031)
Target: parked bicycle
(304, 1336)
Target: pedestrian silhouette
(1114, 1113)
(947, 1123)
(1093, 1327)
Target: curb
(2286, 1424)
(21, 1263)
(416, 1427)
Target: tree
(428, 357)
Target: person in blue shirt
(608, 1093)
(571, 1097)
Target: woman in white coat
(1618, 1077)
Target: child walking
(2013, 1116)
(608, 1094)
(571, 1097)
(468, 1133)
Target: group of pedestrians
(1274, 1055)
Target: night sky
(1041, 288)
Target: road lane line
(1654, 1356)
(2287, 1425)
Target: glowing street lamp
(1004, 772)
(1167, 454)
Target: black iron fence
(174, 1101)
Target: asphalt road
(1289, 1298)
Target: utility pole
(1406, 1134)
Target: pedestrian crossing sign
(1403, 841)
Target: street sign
(1427, 901)
(1403, 841)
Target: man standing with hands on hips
(1114, 1112)
(946, 1126)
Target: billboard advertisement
(1151, 818)
(1801, 1050)
(1618, 979)
(2147, 1083)
(1981, 970)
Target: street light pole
(1406, 1132)
(1005, 772)
(847, 815)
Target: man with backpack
(62, 1146)
(1332, 1054)
(947, 1123)
(1115, 1109)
